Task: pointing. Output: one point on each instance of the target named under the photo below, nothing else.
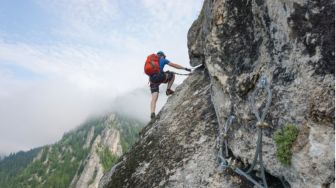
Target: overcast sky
(62, 61)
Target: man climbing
(156, 77)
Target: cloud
(93, 53)
(41, 113)
(83, 66)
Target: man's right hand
(186, 69)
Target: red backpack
(152, 65)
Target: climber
(154, 69)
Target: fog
(136, 103)
(62, 62)
(40, 115)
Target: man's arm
(177, 66)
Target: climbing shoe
(169, 92)
(152, 115)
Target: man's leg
(170, 83)
(154, 87)
(155, 96)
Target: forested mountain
(79, 159)
(13, 164)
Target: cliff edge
(266, 64)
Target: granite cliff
(265, 65)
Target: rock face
(179, 148)
(290, 44)
(92, 166)
(93, 169)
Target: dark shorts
(156, 79)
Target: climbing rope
(263, 84)
(187, 74)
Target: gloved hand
(186, 69)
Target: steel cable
(223, 138)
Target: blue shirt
(162, 63)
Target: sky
(62, 61)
